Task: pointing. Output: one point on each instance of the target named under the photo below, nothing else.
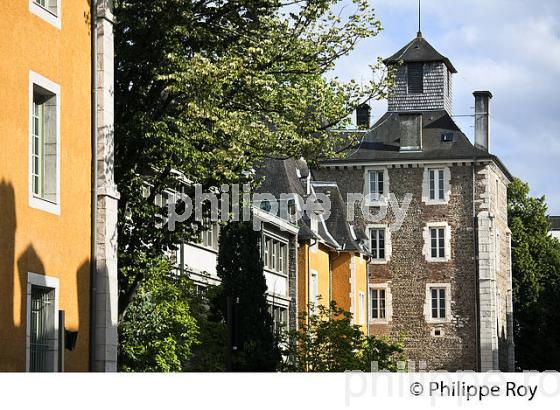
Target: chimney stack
(482, 119)
(363, 113)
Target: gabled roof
(382, 142)
(419, 51)
(337, 222)
(554, 223)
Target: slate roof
(419, 50)
(554, 223)
(337, 222)
(281, 177)
(382, 142)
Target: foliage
(240, 268)
(160, 331)
(328, 342)
(204, 89)
(536, 281)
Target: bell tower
(423, 78)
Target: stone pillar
(488, 338)
(106, 318)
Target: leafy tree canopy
(204, 89)
(536, 281)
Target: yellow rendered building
(46, 185)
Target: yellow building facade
(45, 184)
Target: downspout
(93, 285)
(477, 279)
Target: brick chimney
(482, 119)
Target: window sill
(379, 261)
(436, 202)
(438, 260)
(45, 14)
(378, 321)
(44, 205)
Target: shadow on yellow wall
(13, 294)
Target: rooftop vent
(447, 137)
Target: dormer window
(416, 78)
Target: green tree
(536, 281)
(240, 268)
(204, 89)
(328, 342)
(159, 332)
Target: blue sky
(509, 47)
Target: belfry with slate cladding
(436, 73)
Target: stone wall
(408, 271)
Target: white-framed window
(437, 191)
(275, 255)
(44, 144)
(42, 323)
(436, 186)
(361, 308)
(313, 292)
(437, 242)
(376, 186)
(380, 303)
(48, 10)
(379, 243)
(279, 318)
(437, 308)
(209, 236)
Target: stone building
(440, 273)
(554, 226)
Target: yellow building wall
(313, 258)
(349, 277)
(32, 240)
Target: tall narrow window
(42, 331)
(415, 78)
(437, 191)
(437, 245)
(44, 145)
(438, 297)
(376, 184)
(377, 243)
(313, 293)
(377, 303)
(362, 308)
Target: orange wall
(346, 289)
(32, 240)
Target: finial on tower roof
(419, 34)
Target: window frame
(428, 241)
(387, 244)
(428, 305)
(37, 80)
(34, 279)
(376, 198)
(443, 185)
(55, 19)
(275, 259)
(378, 249)
(388, 308)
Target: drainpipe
(477, 279)
(93, 285)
